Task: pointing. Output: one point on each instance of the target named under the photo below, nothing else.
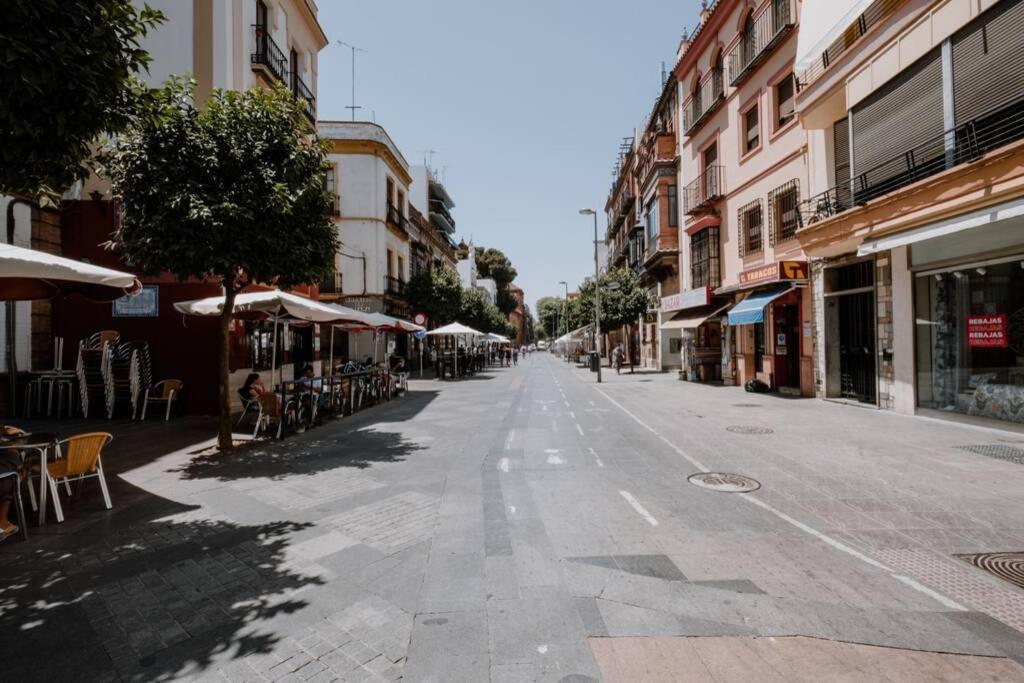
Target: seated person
(10, 461)
(253, 387)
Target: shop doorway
(787, 345)
(850, 332)
(302, 347)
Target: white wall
(170, 44)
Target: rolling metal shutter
(988, 61)
(841, 154)
(901, 115)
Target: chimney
(684, 45)
(705, 13)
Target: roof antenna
(354, 49)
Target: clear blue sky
(525, 103)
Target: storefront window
(259, 336)
(970, 340)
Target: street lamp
(597, 294)
(565, 316)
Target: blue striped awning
(751, 309)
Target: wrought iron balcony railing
(768, 26)
(268, 54)
(394, 286)
(331, 283)
(709, 94)
(871, 17)
(708, 187)
(963, 144)
(302, 92)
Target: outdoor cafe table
(24, 443)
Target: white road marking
(825, 538)
(553, 456)
(639, 508)
(579, 429)
(566, 404)
(571, 414)
(503, 464)
(591, 403)
(543, 649)
(512, 509)
(508, 439)
(596, 459)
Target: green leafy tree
(67, 77)
(550, 314)
(492, 263)
(623, 300)
(233, 193)
(438, 293)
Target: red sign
(987, 332)
(420, 319)
(774, 272)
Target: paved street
(528, 525)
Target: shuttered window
(896, 118)
(752, 124)
(841, 150)
(988, 61)
(750, 219)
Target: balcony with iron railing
(704, 190)
(394, 286)
(267, 55)
(865, 22)
(439, 212)
(330, 284)
(767, 28)
(304, 94)
(396, 219)
(961, 145)
(705, 99)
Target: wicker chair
(167, 391)
(78, 458)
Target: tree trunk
(224, 434)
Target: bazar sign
(775, 272)
(987, 332)
(688, 299)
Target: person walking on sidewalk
(515, 356)
(617, 354)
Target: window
(391, 192)
(652, 220)
(704, 261)
(784, 109)
(293, 60)
(750, 221)
(783, 203)
(673, 206)
(330, 185)
(259, 338)
(401, 268)
(752, 129)
(749, 39)
(401, 203)
(261, 15)
(391, 261)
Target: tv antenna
(354, 49)
(428, 157)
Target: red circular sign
(420, 318)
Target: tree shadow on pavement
(166, 598)
(309, 453)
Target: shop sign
(691, 298)
(361, 303)
(782, 271)
(987, 332)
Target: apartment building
(624, 237)
(237, 44)
(915, 217)
(745, 307)
(371, 183)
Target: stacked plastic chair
(94, 378)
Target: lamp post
(565, 317)
(597, 294)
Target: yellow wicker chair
(167, 392)
(78, 458)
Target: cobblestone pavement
(529, 525)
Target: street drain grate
(997, 451)
(1007, 566)
(747, 429)
(723, 482)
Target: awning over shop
(950, 226)
(692, 320)
(821, 22)
(751, 309)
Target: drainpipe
(9, 319)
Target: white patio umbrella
(275, 305)
(455, 330)
(371, 321)
(27, 275)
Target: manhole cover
(997, 451)
(1007, 566)
(746, 405)
(724, 483)
(747, 429)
